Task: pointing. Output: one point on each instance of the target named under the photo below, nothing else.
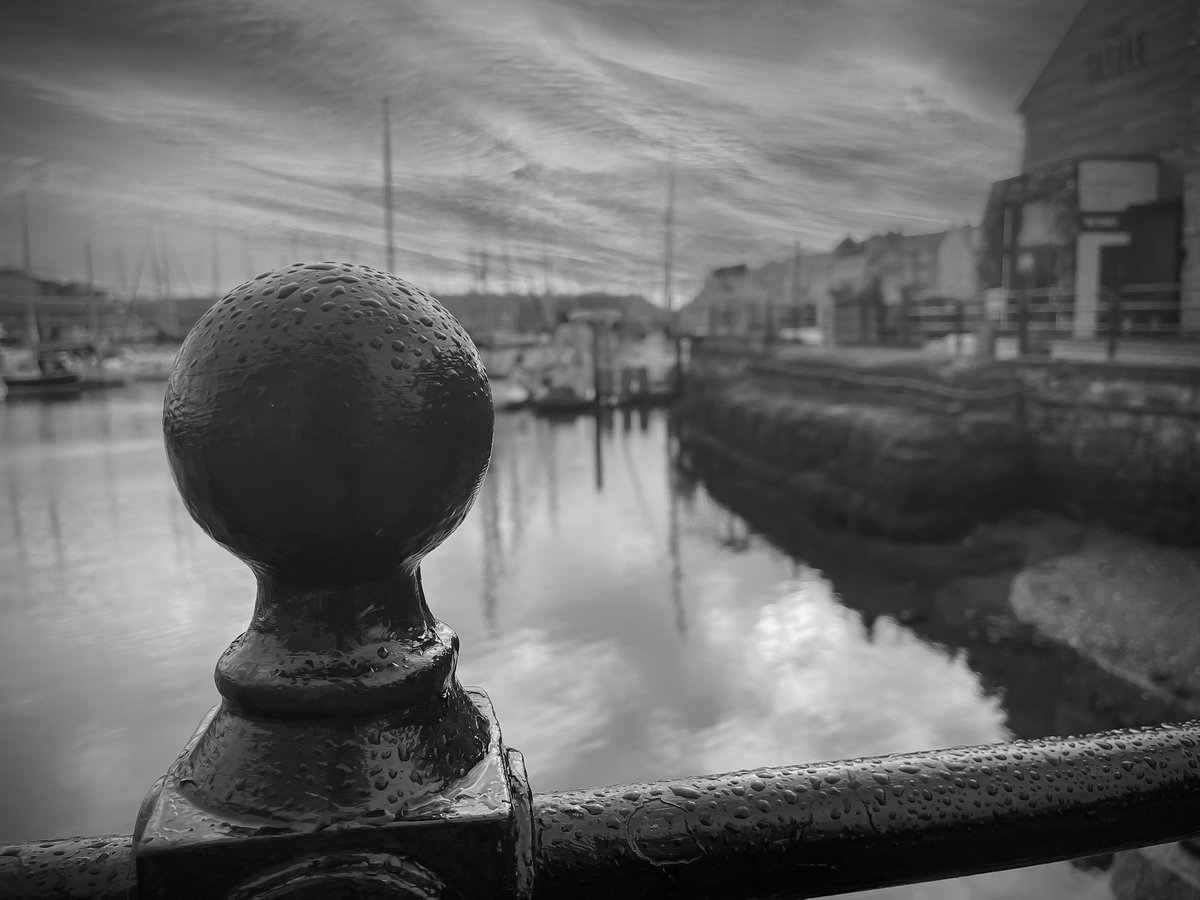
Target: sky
(191, 144)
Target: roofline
(1049, 59)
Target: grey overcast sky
(244, 134)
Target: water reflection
(626, 625)
(792, 679)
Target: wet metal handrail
(824, 829)
(812, 831)
(331, 424)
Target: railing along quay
(330, 425)
(832, 381)
(1145, 315)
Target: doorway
(1114, 262)
(1089, 279)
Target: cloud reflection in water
(797, 680)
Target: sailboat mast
(31, 322)
(26, 252)
(162, 263)
(790, 297)
(672, 330)
(387, 189)
(669, 244)
(216, 264)
(123, 285)
(93, 299)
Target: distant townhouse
(730, 302)
(898, 288)
(860, 292)
(782, 297)
(957, 277)
(904, 264)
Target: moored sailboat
(31, 374)
(29, 371)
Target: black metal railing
(1145, 316)
(330, 424)
(1027, 322)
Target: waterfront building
(904, 264)
(813, 273)
(487, 316)
(958, 263)
(1108, 194)
(729, 300)
(890, 286)
(860, 292)
(783, 296)
(925, 283)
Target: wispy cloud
(542, 126)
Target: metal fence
(1027, 322)
(1033, 320)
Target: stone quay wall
(924, 450)
(1116, 445)
(874, 456)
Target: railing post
(958, 327)
(330, 425)
(1022, 324)
(1114, 320)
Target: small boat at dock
(95, 367)
(39, 375)
(561, 399)
(150, 363)
(508, 393)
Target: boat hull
(562, 405)
(58, 384)
(508, 394)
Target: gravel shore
(1131, 606)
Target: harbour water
(625, 624)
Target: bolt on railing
(330, 425)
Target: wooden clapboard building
(1109, 191)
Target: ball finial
(328, 423)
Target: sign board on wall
(1112, 185)
(1122, 53)
(1102, 222)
